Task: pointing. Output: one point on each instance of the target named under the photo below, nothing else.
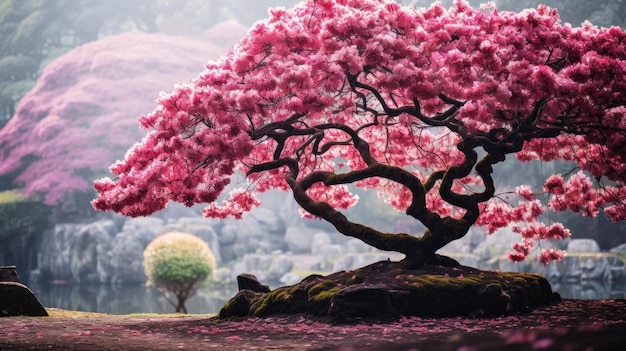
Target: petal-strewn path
(571, 325)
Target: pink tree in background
(82, 114)
(418, 105)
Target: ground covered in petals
(571, 324)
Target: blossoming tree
(76, 120)
(417, 104)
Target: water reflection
(590, 289)
(138, 299)
(127, 299)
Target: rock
(583, 245)
(259, 231)
(290, 278)
(280, 266)
(77, 252)
(356, 246)
(361, 301)
(239, 305)
(496, 244)
(319, 241)
(9, 274)
(619, 249)
(145, 229)
(17, 300)
(266, 267)
(494, 300)
(580, 266)
(222, 274)
(126, 249)
(126, 259)
(343, 263)
(247, 281)
(228, 235)
(503, 264)
(299, 239)
(388, 289)
(333, 251)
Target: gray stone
(590, 266)
(222, 274)
(258, 231)
(290, 278)
(266, 267)
(496, 244)
(126, 250)
(583, 245)
(299, 239)
(356, 246)
(332, 251)
(319, 241)
(17, 299)
(503, 264)
(619, 249)
(343, 263)
(144, 228)
(126, 258)
(279, 267)
(228, 235)
(77, 252)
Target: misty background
(74, 77)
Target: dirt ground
(569, 325)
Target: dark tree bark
(440, 230)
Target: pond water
(127, 299)
(138, 299)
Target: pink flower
(548, 255)
(554, 184)
(526, 192)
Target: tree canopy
(178, 263)
(82, 114)
(417, 104)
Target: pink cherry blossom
(416, 104)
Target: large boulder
(16, 299)
(77, 252)
(391, 289)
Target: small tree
(178, 263)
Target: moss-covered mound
(388, 290)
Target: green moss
(273, 302)
(324, 296)
(354, 280)
(320, 287)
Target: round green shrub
(178, 263)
